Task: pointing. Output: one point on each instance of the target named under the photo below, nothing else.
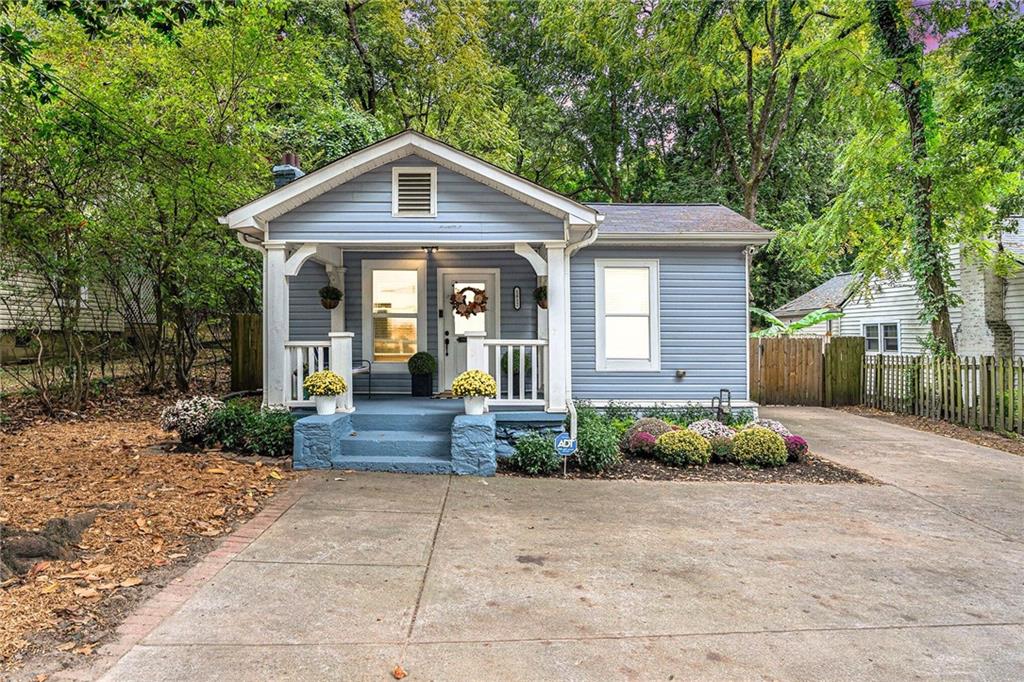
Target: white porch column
(275, 323)
(476, 352)
(558, 346)
(341, 364)
(336, 276)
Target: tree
(780, 328)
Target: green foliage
(721, 449)
(330, 293)
(527, 362)
(535, 454)
(597, 440)
(621, 425)
(649, 425)
(683, 447)
(780, 328)
(269, 433)
(759, 447)
(422, 363)
(229, 424)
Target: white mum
(772, 425)
(190, 417)
(709, 428)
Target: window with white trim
(414, 192)
(394, 311)
(882, 337)
(627, 315)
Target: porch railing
(517, 365)
(302, 358)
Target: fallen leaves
(398, 672)
(150, 507)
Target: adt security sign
(565, 445)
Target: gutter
(699, 238)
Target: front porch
(396, 303)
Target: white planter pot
(474, 404)
(326, 404)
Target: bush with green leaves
(597, 440)
(228, 425)
(721, 449)
(760, 447)
(681, 447)
(535, 454)
(422, 363)
(649, 425)
(269, 433)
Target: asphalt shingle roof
(673, 219)
(832, 294)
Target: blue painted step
(397, 444)
(405, 465)
(375, 421)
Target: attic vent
(414, 192)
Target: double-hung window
(394, 313)
(627, 315)
(882, 337)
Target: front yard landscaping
(681, 444)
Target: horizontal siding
(360, 209)
(26, 301)
(703, 327)
(309, 321)
(1015, 310)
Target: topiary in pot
(422, 366)
(535, 454)
(677, 448)
(330, 296)
(654, 427)
(757, 446)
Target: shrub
(759, 447)
(709, 428)
(269, 433)
(422, 363)
(649, 425)
(516, 356)
(681, 447)
(681, 416)
(598, 443)
(324, 382)
(721, 449)
(620, 425)
(617, 411)
(535, 454)
(228, 425)
(771, 425)
(642, 443)
(473, 382)
(796, 447)
(190, 417)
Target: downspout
(244, 240)
(589, 238)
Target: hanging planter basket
(540, 295)
(330, 297)
(469, 301)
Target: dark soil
(1009, 442)
(813, 469)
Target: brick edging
(144, 619)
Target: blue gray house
(645, 303)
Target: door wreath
(463, 305)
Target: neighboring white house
(887, 313)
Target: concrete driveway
(509, 578)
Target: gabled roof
(623, 221)
(833, 294)
(253, 216)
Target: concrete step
(405, 465)
(397, 444)
(429, 422)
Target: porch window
(882, 337)
(627, 315)
(394, 320)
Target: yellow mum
(324, 382)
(474, 383)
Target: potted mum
(474, 387)
(421, 367)
(540, 295)
(330, 296)
(325, 386)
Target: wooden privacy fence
(980, 392)
(806, 370)
(246, 352)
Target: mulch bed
(1007, 443)
(154, 512)
(813, 470)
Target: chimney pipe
(288, 170)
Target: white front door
(452, 347)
